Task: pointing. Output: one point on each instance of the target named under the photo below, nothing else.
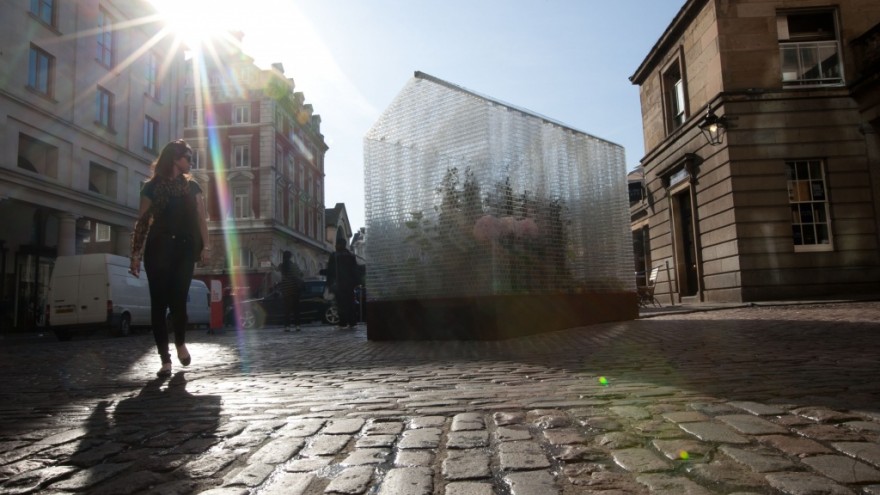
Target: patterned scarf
(164, 190)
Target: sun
(196, 23)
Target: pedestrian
(291, 283)
(170, 235)
(343, 276)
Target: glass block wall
(467, 196)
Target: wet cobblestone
(760, 400)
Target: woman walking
(170, 234)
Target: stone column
(66, 234)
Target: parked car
(269, 310)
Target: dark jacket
(342, 271)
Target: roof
(678, 24)
(548, 120)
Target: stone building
(786, 205)
(259, 155)
(89, 97)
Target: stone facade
(70, 174)
(786, 207)
(261, 164)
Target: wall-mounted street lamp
(713, 127)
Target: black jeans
(169, 262)
(291, 306)
(345, 304)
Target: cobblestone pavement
(760, 400)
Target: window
(674, 97)
(241, 155)
(808, 196)
(291, 209)
(241, 114)
(41, 67)
(152, 75)
(303, 200)
(150, 129)
(102, 180)
(102, 232)
(44, 10)
(241, 202)
(196, 117)
(104, 108)
(105, 39)
(279, 158)
(36, 156)
(197, 158)
(279, 203)
(243, 258)
(809, 48)
(291, 166)
(88, 237)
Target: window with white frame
(243, 258)
(241, 155)
(104, 108)
(196, 117)
(291, 166)
(88, 238)
(674, 96)
(809, 48)
(41, 67)
(241, 114)
(152, 75)
(151, 129)
(808, 197)
(102, 180)
(105, 47)
(44, 10)
(102, 232)
(241, 202)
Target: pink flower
(508, 225)
(526, 228)
(487, 228)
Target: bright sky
(568, 60)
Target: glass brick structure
(472, 203)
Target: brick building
(259, 155)
(787, 205)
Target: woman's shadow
(159, 431)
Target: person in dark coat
(291, 282)
(343, 276)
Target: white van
(91, 290)
(198, 304)
(96, 289)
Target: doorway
(685, 244)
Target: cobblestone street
(761, 400)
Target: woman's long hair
(172, 151)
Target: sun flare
(196, 23)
